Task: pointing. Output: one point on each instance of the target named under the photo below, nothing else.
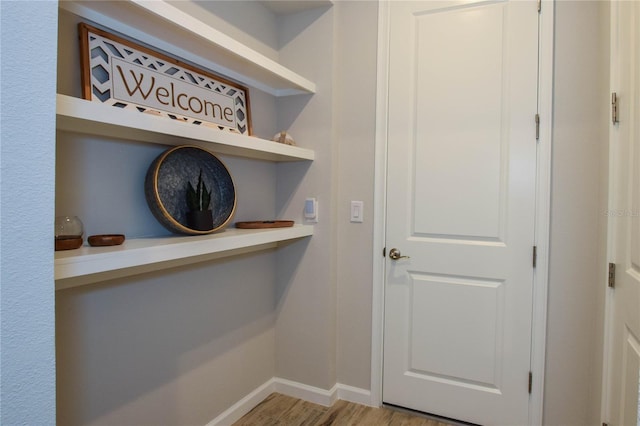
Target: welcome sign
(123, 74)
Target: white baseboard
(353, 394)
(293, 389)
(246, 404)
(306, 392)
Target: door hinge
(384, 252)
(539, 5)
(535, 256)
(537, 126)
(612, 275)
(614, 108)
(530, 381)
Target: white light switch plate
(357, 211)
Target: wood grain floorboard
(282, 410)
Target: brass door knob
(395, 254)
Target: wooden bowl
(67, 243)
(264, 224)
(105, 240)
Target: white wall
(27, 384)
(356, 50)
(576, 269)
(178, 346)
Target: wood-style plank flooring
(281, 410)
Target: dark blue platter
(166, 186)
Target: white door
(624, 222)
(460, 204)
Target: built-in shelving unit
(93, 118)
(88, 265)
(163, 26)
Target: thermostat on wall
(311, 210)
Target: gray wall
(295, 303)
(27, 385)
(356, 52)
(324, 312)
(174, 347)
(578, 224)
(306, 292)
(178, 346)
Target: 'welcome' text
(143, 86)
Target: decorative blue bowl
(166, 185)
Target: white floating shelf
(292, 6)
(88, 265)
(82, 116)
(165, 27)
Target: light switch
(357, 213)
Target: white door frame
(614, 84)
(543, 205)
(614, 138)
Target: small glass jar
(68, 232)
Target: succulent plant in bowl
(198, 203)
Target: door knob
(395, 254)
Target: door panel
(624, 217)
(630, 370)
(433, 352)
(460, 203)
(459, 123)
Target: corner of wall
(27, 164)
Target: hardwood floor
(283, 410)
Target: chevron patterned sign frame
(124, 74)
